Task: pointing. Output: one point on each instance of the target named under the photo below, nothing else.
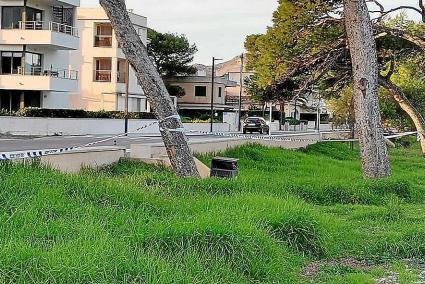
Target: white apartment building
(36, 37)
(103, 67)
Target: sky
(217, 27)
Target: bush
(293, 121)
(76, 113)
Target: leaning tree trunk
(149, 79)
(407, 106)
(374, 152)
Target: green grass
(133, 223)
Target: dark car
(255, 124)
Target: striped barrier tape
(287, 139)
(40, 153)
(255, 137)
(28, 154)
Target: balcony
(37, 79)
(59, 36)
(75, 3)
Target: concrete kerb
(157, 150)
(76, 160)
(155, 153)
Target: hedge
(76, 113)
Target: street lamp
(240, 94)
(212, 91)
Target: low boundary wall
(29, 126)
(157, 150)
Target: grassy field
(290, 217)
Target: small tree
(172, 54)
(176, 91)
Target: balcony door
(103, 35)
(13, 100)
(12, 17)
(102, 69)
(11, 62)
(33, 63)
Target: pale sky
(218, 27)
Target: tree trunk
(407, 106)
(148, 78)
(374, 152)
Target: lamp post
(240, 95)
(127, 70)
(212, 91)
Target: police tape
(291, 139)
(258, 137)
(30, 154)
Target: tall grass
(134, 223)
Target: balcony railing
(51, 26)
(52, 72)
(102, 75)
(102, 41)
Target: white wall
(52, 100)
(72, 126)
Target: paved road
(8, 144)
(53, 142)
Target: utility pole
(295, 114)
(319, 113)
(212, 92)
(240, 95)
(127, 70)
(270, 118)
(212, 95)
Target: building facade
(36, 38)
(59, 56)
(103, 67)
(232, 69)
(198, 92)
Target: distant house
(305, 108)
(232, 69)
(198, 90)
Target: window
(32, 64)
(12, 17)
(11, 62)
(200, 91)
(102, 69)
(121, 70)
(103, 35)
(220, 92)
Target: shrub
(76, 113)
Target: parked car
(256, 124)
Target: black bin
(224, 167)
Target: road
(8, 144)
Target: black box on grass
(224, 167)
